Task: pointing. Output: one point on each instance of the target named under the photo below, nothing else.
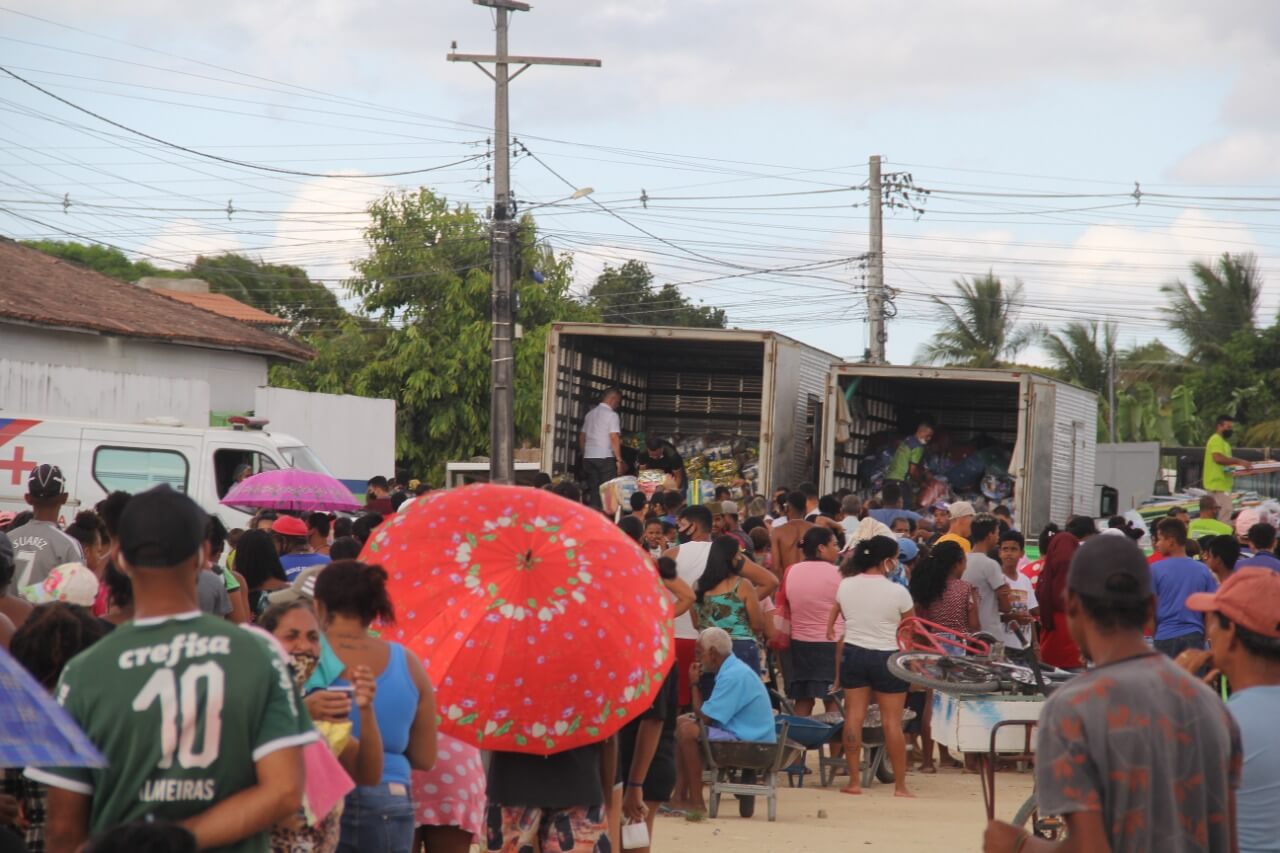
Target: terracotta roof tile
(42, 290)
(220, 303)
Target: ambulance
(98, 457)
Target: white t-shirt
(691, 562)
(873, 607)
(599, 424)
(1023, 594)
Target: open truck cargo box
(1045, 429)
(759, 387)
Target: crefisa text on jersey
(190, 645)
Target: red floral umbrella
(543, 627)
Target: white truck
(755, 387)
(1045, 429)
(98, 457)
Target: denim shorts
(378, 819)
(868, 668)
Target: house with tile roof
(76, 343)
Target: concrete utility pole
(875, 270)
(502, 424)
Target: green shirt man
(182, 707)
(907, 464)
(1217, 455)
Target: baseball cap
(714, 507)
(1250, 598)
(908, 550)
(1112, 568)
(160, 528)
(289, 525)
(942, 505)
(46, 481)
(961, 509)
(303, 586)
(71, 583)
(728, 508)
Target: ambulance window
(231, 464)
(136, 469)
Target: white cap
(728, 508)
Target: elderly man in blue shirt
(738, 709)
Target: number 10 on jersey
(181, 713)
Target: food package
(700, 492)
(650, 481)
(724, 472)
(616, 494)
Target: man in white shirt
(1023, 609)
(600, 443)
(985, 574)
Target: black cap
(46, 481)
(1110, 568)
(160, 528)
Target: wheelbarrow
(747, 770)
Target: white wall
(54, 390)
(355, 437)
(231, 377)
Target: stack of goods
(957, 471)
(719, 460)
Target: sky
(747, 128)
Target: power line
(219, 158)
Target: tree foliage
(626, 294)
(982, 329)
(1083, 352)
(103, 259)
(1222, 302)
(424, 289)
(280, 289)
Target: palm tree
(1224, 301)
(984, 331)
(1080, 355)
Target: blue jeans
(377, 819)
(1175, 646)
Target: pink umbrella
(292, 489)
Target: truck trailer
(753, 389)
(1042, 432)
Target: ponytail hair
(358, 589)
(868, 553)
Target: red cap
(288, 525)
(1250, 598)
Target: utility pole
(1111, 396)
(502, 425)
(875, 270)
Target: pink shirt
(807, 595)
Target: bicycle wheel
(944, 672)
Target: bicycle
(931, 656)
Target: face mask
(303, 665)
(1227, 433)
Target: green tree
(983, 331)
(107, 261)
(1223, 301)
(280, 289)
(424, 294)
(1083, 352)
(626, 294)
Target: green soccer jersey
(181, 707)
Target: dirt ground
(946, 815)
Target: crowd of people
(134, 610)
